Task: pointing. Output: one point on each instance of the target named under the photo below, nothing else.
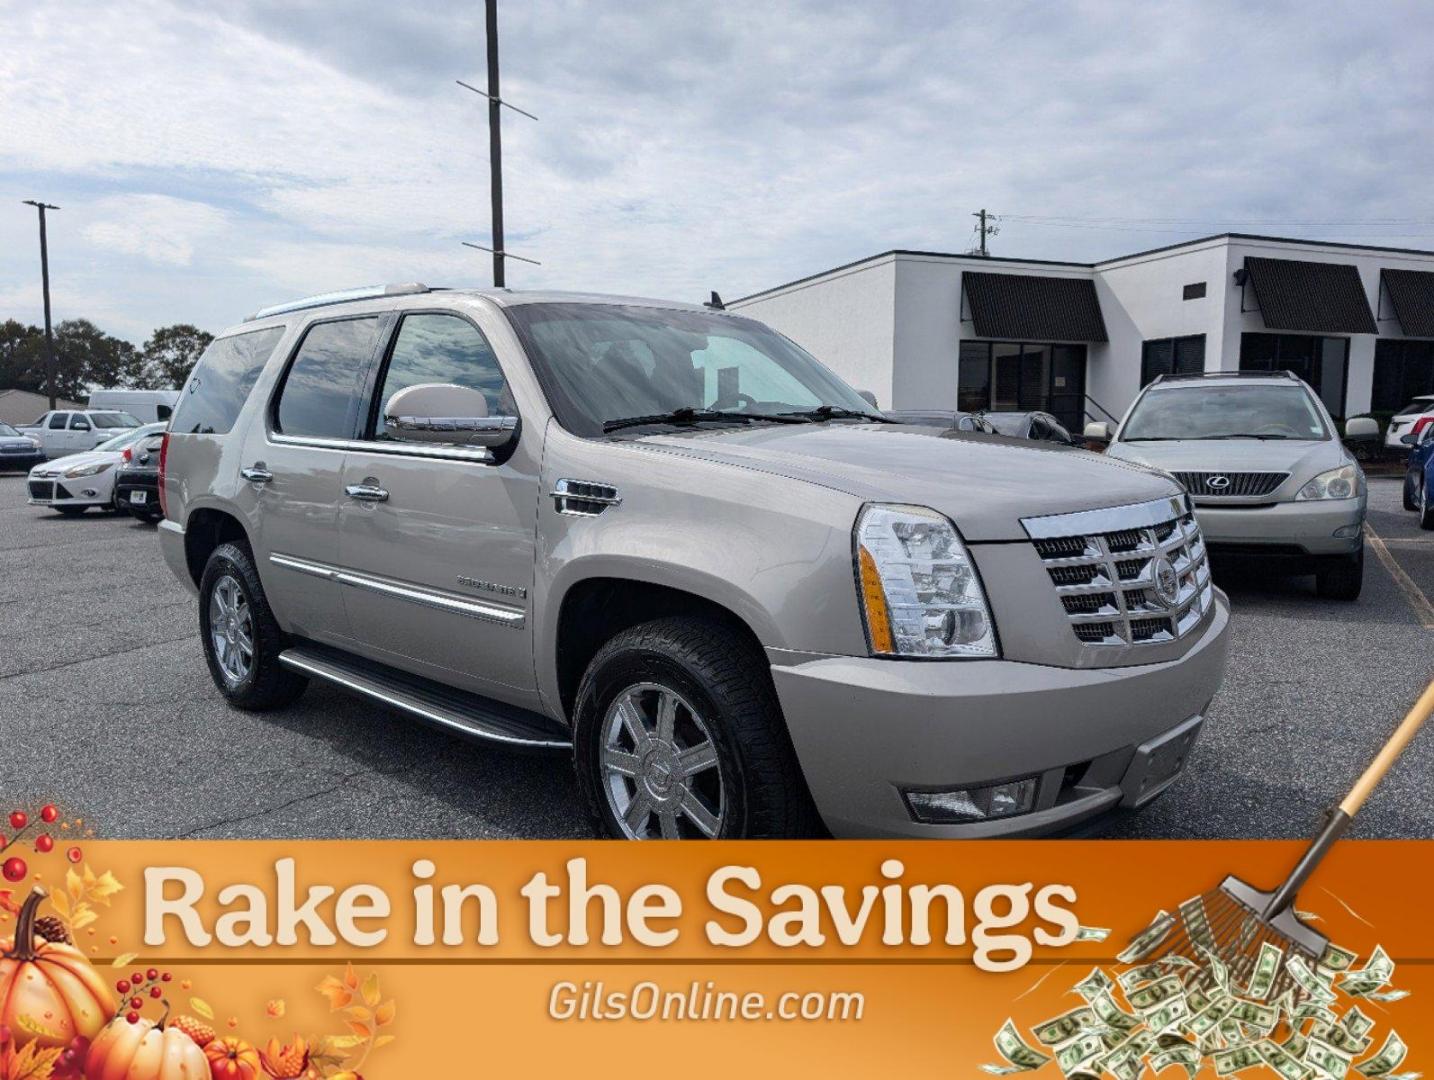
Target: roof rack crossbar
(1280, 373)
(366, 292)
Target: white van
(150, 406)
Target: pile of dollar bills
(1301, 1020)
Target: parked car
(946, 419)
(137, 479)
(1038, 426)
(1404, 419)
(1419, 477)
(667, 541)
(18, 451)
(79, 481)
(66, 431)
(1264, 463)
(148, 405)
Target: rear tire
(241, 638)
(1425, 505)
(726, 745)
(1342, 579)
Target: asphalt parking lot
(106, 706)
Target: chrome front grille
(1129, 575)
(1231, 485)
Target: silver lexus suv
(1265, 465)
(666, 541)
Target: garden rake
(1232, 922)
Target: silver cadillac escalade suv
(667, 541)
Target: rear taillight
(126, 457)
(163, 457)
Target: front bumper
(866, 730)
(63, 491)
(1286, 528)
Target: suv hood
(984, 483)
(1301, 459)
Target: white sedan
(75, 483)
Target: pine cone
(52, 929)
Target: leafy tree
(85, 356)
(22, 357)
(171, 353)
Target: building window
(1172, 356)
(1010, 376)
(1403, 370)
(1195, 290)
(1323, 362)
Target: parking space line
(1423, 609)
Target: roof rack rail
(1280, 373)
(366, 292)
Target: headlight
(87, 470)
(920, 594)
(1346, 482)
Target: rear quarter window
(221, 382)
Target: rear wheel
(1343, 578)
(1426, 505)
(241, 638)
(679, 736)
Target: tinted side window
(442, 349)
(79, 422)
(57, 421)
(320, 395)
(221, 382)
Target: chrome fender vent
(584, 498)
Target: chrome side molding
(501, 614)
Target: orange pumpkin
(144, 1051)
(231, 1058)
(49, 994)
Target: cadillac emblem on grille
(1165, 581)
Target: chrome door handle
(256, 473)
(366, 493)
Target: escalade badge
(1166, 581)
(1218, 483)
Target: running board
(456, 710)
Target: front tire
(1342, 579)
(1411, 501)
(1425, 506)
(242, 640)
(678, 735)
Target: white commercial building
(931, 331)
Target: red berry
(166, 977)
(74, 854)
(155, 991)
(132, 1017)
(44, 844)
(14, 869)
(122, 986)
(19, 819)
(152, 974)
(136, 1003)
(137, 978)
(48, 813)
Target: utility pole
(987, 227)
(495, 149)
(45, 284)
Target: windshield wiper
(835, 412)
(691, 414)
(1241, 435)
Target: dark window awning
(1026, 307)
(1412, 294)
(1312, 297)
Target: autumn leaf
(61, 903)
(276, 1008)
(102, 888)
(74, 885)
(84, 915)
(33, 1063)
(7, 902)
(342, 1042)
(371, 993)
(359, 1013)
(123, 960)
(202, 1007)
(337, 993)
(384, 1014)
(363, 1031)
(351, 979)
(383, 1040)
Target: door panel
(442, 568)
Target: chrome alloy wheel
(231, 630)
(660, 772)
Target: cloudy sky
(210, 163)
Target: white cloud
(155, 227)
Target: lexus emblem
(1165, 580)
(1217, 483)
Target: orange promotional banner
(402, 959)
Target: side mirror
(1098, 431)
(1361, 427)
(869, 398)
(80, 427)
(449, 415)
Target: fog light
(973, 804)
(1346, 532)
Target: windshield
(604, 362)
(129, 438)
(1225, 412)
(113, 420)
(1418, 405)
(6, 429)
